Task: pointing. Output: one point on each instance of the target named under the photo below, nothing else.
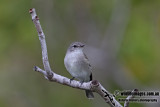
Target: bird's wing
(89, 65)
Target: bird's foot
(72, 79)
(81, 82)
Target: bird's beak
(82, 45)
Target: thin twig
(126, 104)
(41, 35)
(94, 85)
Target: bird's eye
(74, 46)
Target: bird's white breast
(74, 62)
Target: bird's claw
(81, 82)
(71, 79)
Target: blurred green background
(122, 38)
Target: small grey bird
(77, 64)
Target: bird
(77, 64)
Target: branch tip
(31, 10)
(35, 68)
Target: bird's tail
(89, 94)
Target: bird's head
(76, 46)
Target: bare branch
(94, 85)
(126, 104)
(41, 35)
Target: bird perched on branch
(77, 64)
